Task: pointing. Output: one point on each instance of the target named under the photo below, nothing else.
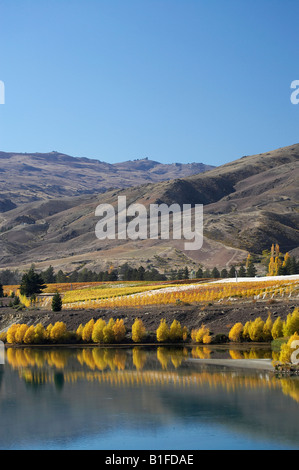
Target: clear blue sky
(172, 80)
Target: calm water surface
(134, 398)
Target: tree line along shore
(282, 334)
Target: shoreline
(223, 346)
(257, 364)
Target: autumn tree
(277, 329)
(267, 330)
(163, 332)
(207, 338)
(286, 265)
(40, 334)
(275, 263)
(236, 333)
(48, 330)
(20, 333)
(201, 332)
(175, 332)
(58, 332)
(87, 331)
(119, 330)
(257, 330)
(79, 332)
(185, 333)
(108, 333)
(246, 331)
(291, 325)
(29, 335)
(138, 331)
(98, 331)
(11, 333)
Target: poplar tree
(138, 331)
(163, 332)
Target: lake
(143, 398)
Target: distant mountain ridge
(38, 176)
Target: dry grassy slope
(249, 204)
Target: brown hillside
(248, 205)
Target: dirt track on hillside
(219, 317)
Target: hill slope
(248, 205)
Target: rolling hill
(249, 204)
(42, 176)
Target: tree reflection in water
(135, 366)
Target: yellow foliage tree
(163, 332)
(119, 330)
(87, 331)
(277, 329)
(40, 333)
(275, 261)
(267, 330)
(201, 332)
(246, 331)
(20, 333)
(108, 333)
(48, 330)
(175, 332)
(236, 333)
(207, 339)
(79, 332)
(98, 331)
(29, 335)
(257, 330)
(58, 332)
(193, 335)
(185, 333)
(285, 259)
(291, 325)
(11, 334)
(138, 331)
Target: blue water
(124, 399)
